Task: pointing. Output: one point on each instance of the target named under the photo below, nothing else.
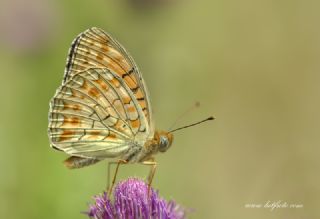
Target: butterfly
(102, 109)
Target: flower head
(132, 201)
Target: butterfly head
(164, 140)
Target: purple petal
(131, 201)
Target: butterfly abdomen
(74, 162)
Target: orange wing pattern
(96, 48)
(95, 114)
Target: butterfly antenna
(197, 123)
(194, 106)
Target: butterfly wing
(95, 48)
(95, 114)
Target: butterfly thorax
(160, 142)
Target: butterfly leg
(115, 174)
(109, 171)
(153, 165)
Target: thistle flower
(131, 201)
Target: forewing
(95, 114)
(95, 48)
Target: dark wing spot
(128, 73)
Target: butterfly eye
(164, 143)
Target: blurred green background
(254, 65)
